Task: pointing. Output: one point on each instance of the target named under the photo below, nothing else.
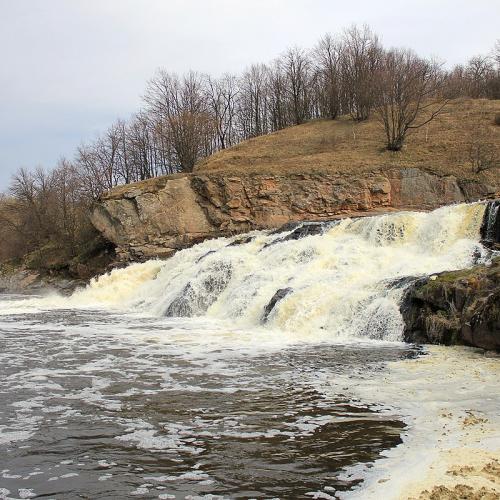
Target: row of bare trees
(186, 118)
(45, 207)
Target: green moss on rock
(457, 307)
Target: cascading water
(490, 229)
(258, 366)
(342, 279)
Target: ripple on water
(101, 401)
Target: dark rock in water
(199, 295)
(458, 307)
(286, 227)
(490, 227)
(305, 229)
(279, 295)
(182, 306)
(397, 283)
(205, 255)
(240, 241)
(309, 229)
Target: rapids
(343, 281)
(268, 365)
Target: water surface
(99, 405)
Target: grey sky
(69, 68)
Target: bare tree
(181, 105)
(221, 96)
(455, 82)
(482, 152)
(479, 70)
(408, 98)
(327, 56)
(361, 56)
(297, 69)
(253, 101)
(277, 97)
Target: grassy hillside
(346, 146)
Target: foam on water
(449, 399)
(118, 349)
(341, 284)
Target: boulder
(279, 295)
(458, 307)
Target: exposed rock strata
(459, 307)
(158, 217)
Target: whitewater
(264, 365)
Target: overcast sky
(69, 68)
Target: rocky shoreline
(459, 307)
(25, 281)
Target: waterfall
(490, 228)
(341, 279)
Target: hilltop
(346, 146)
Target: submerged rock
(458, 307)
(199, 295)
(279, 295)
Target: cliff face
(157, 217)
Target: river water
(177, 379)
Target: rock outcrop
(157, 217)
(459, 307)
(25, 281)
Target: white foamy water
(183, 377)
(449, 399)
(342, 284)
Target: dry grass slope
(345, 146)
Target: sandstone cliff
(157, 217)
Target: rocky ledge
(25, 281)
(459, 307)
(155, 218)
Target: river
(194, 378)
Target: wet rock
(23, 281)
(306, 229)
(279, 295)
(210, 252)
(458, 307)
(240, 241)
(403, 282)
(289, 226)
(199, 295)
